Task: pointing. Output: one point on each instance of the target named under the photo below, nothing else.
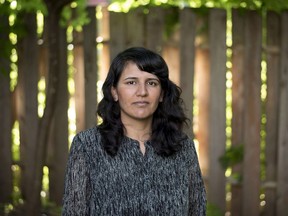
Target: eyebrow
(127, 78)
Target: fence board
(90, 68)
(27, 88)
(104, 53)
(187, 60)
(5, 121)
(155, 28)
(85, 76)
(117, 29)
(5, 137)
(171, 55)
(272, 110)
(171, 45)
(59, 139)
(135, 28)
(282, 187)
(217, 111)
(252, 118)
(202, 77)
(79, 80)
(238, 105)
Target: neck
(140, 131)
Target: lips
(141, 103)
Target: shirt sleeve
(197, 192)
(77, 190)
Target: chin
(143, 117)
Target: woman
(137, 161)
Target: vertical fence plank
(238, 105)
(282, 185)
(5, 137)
(85, 76)
(117, 30)
(79, 80)
(5, 117)
(27, 88)
(217, 111)
(59, 130)
(103, 55)
(90, 68)
(252, 118)
(202, 77)
(170, 50)
(272, 110)
(187, 60)
(154, 29)
(135, 27)
(171, 55)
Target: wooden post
(272, 110)
(252, 115)
(217, 108)
(79, 79)
(238, 105)
(202, 93)
(86, 67)
(282, 184)
(59, 131)
(135, 31)
(170, 51)
(104, 56)
(171, 55)
(90, 68)
(6, 182)
(117, 29)
(126, 30)
(187, 61)
(154, 29)
(27, 88)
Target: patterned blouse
(130, 183)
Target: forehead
(132, 71)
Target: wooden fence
(233, 70)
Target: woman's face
(138, 94)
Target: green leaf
(232, 156)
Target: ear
(114, 93)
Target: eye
(131, 82)
(153, 83)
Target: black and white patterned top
(131, 184)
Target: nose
(142, 90)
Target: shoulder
(87, 139)
(188, 148)
(187, 142)
(90, 134)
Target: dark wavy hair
(169, 117)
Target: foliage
(171, 21)
(125, 5)
(5, 30)
(31, 6)
(75, 15)
(213, 210)
(232, 156)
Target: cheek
(124, 96)
(159, 96)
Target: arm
(77, 186)
(197, 193)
